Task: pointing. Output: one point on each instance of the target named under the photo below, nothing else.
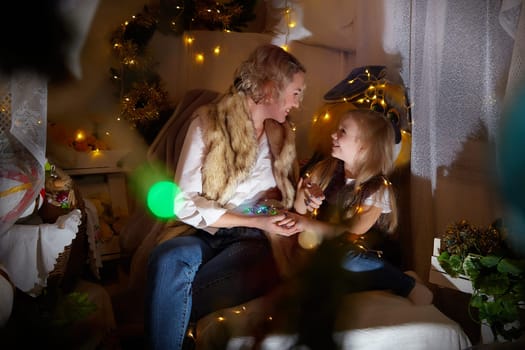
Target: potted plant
(495, 271)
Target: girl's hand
(312, 194)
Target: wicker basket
(71, 262)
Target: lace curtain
(23, 122)
(460, 58)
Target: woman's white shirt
(194, 209)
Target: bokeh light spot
(309, 239)
(161, 199)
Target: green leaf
(444, 260)
(444, 256)
(477, 300)
(456, 263)
(490, 260)
(492, 284)
(471, 267)
(73, 307)
(511, 266)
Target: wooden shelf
(93, 171)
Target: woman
(350, 195)
(237, 152)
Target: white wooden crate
(439, 277)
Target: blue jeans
(191, 276)
(366, 271)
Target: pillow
(330, 24)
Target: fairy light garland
(372, 97)
(288, 11)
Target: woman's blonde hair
(266, 72)
(377, 138)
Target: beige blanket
(143, 231)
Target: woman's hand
(281, 223)
(284, 224)
(309, 196)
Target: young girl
(350, 194)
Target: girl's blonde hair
(377, 138)
(266, 72)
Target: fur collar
(231, 150)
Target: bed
(371, 320)
(366, 320)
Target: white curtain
(23, 121)
(460, 55)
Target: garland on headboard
(143, 99)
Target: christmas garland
(143, 98)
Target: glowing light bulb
(199, 58)
(326, 116)
(217, 50)
(80, 135)
(96, 153)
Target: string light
(80, 135)
(199, 58)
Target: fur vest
(231, 150)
